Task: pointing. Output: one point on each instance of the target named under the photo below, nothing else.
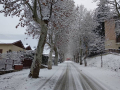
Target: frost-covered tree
(102, 13)
(35, 14)
(114, 6)
(88, 24)
(82, 35)
(57, 24)
(9, 59)
(81, 14)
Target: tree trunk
(50, 61)
(50, 58)
(101, 60)
(74, 58)
(77, 57)
(80, 52)
(35, 67)
(85, 61)
(63, 58)
(56, 56)
(81, 57)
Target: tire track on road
(73, 81)
(67, 80)
(87, 82)
(48, 80)
(61, 84)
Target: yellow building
(111, 40)
(11, 45)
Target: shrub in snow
(7, 60)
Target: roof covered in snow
(27, 47)
(14, 42)
(8, 41)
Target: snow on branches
(11, 58)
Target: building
(112, 41)
(11, 45)
(27, 47)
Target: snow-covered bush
(29, 54)
(7, 60)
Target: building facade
(11, 45)
(111, 39)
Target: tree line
(67, 29)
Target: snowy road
(65, 76)
(73, 79)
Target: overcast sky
(89, 4)
(7, 24)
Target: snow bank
(110, 61)
(108, 75)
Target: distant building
(11, 45)
(112, 41)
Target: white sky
(89, 4)
(7, 24)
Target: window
(1, 50)
(119, 48)
(10, 50)
(117, 25)
(118, 38)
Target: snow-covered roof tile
(26, 46)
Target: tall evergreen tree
(102, 13)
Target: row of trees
(89, 34)
(47, 20)
(67, 29)
(107, 9)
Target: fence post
(5, 66)
(13, 63)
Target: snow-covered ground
(110, 61)
(109, 74)
(20, 81)
(68, 73)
